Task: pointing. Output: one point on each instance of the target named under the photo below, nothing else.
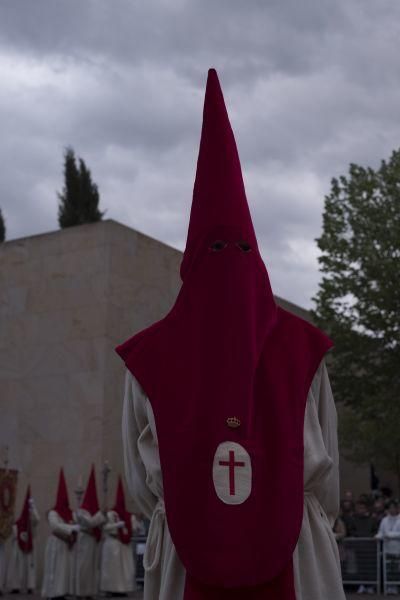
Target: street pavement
(139, 596)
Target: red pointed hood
(24, 527)
(90, 500)
(62, 506)
(219, 197)
(227, 368)
(119, 507)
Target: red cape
(24, 527)
(226, 354)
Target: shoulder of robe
(289, 328)
(139, 343)
(290, 323)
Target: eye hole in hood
(244, 246)
(218, 245)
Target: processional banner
(8, 494)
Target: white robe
(117, 570)
(58, 559)
(87, 555)
(316, 558)
(21, 568)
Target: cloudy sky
(310, 87)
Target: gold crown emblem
(233, 422)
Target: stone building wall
(66, 299)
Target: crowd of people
(88, 551)
(374, 516)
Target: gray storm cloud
(310, 87)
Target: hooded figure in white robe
(117, 571)
(87, 547)
(389, 533)
(21, 568)
(58, 557)
(315, 559)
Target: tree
(358, 303)
(2, 228)
(79, 200)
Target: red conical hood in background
(62, 506)
(119, 506)
(219, 197)
(125, 534)
(90, 500)
(24, 526)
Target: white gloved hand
(75, 527)
(120, 524)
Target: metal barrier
(139, 545)
(360, 559)
(391, 570)
(363, 562)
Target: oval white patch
(232, 474)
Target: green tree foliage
(2, 228)
(358, 303)
(79, 200)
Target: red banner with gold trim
(8, 494)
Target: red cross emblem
(232, 473)
(231, 463)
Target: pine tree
(79, 200)
(2, 228)
(358, 303)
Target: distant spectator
(347, 507)
(378, 510)
(363, 523)
(347, 512)
(348, 495)
(389, 532)
(369, 500)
